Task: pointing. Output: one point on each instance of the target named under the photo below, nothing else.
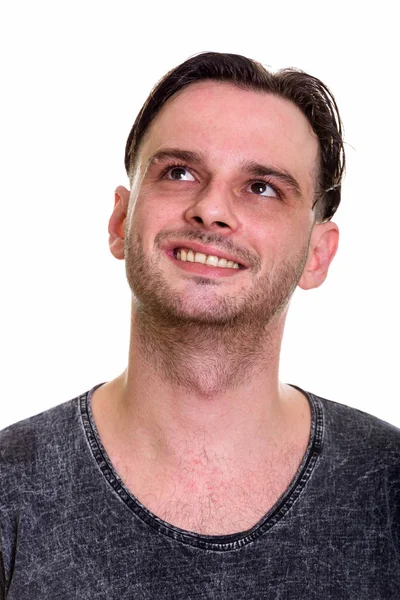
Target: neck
(201, 407)
(204, 360)
(204, 388)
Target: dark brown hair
(308, 93)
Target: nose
(213, 210)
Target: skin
(200, 412)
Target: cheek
(150, 216)
(279, 240)
(266, 232)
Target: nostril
(199, 220)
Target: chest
(213, 505)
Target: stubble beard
(206, 347)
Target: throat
(206, 360)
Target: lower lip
(204, 270)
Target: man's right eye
(179, 174)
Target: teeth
(212, 261)
(199, 257)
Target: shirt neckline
(208, 542)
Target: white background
(73, 77)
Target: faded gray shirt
(70, 529)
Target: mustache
(214, 239)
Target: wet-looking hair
(308, 93)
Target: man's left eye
(179, 174)
(261, 188)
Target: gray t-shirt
(70, 529)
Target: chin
(173, 308)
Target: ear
(323, 246)
(116, 225)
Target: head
(227, 118)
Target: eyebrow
(259, 170)
(251, 167)
(175, 153)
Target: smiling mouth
(187, 255)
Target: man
(196, 473)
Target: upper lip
(204, 249)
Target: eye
(179, 174)
(262, 188)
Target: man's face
(229, 174)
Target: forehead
(229, 124)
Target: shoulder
(359, 436)
(30, 448)
(21, 438)
(358, 421)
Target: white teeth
(199, 257)
(212, 261)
